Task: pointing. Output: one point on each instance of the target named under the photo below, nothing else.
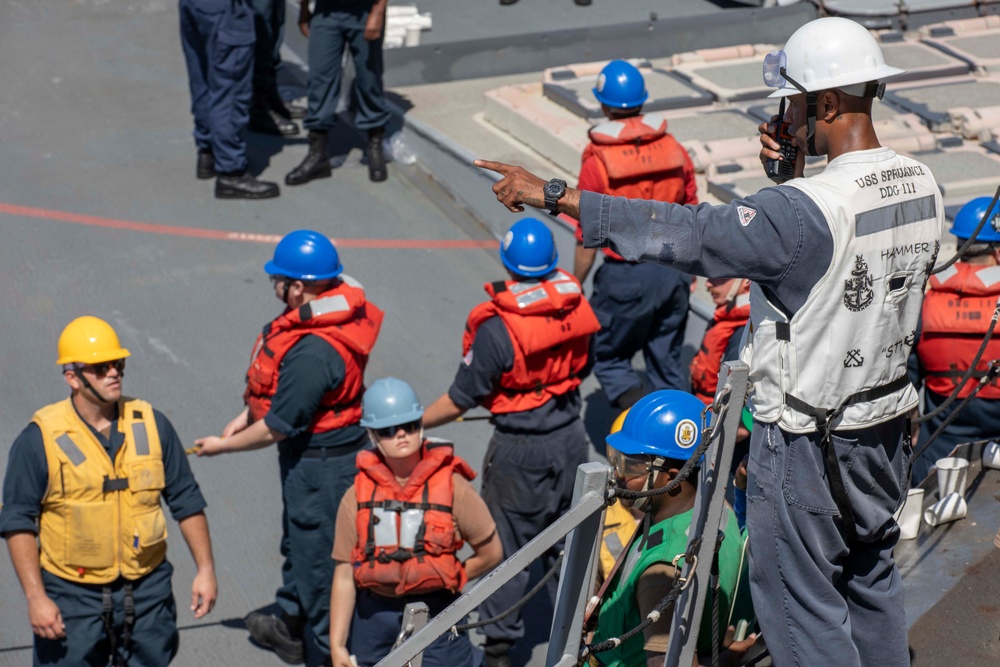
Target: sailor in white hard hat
(832, 321)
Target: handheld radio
(782, 170)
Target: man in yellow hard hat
(86, 478)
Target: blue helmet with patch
(665, 423)
(968, 219)
(620, 86)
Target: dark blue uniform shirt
(308, 371)
(491, 355)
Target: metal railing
(583, 523)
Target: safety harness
(107, 617)
(824, 424)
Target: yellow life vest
(619, 525)
(101, 519)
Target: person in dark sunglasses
(399, 529)
(87, 477)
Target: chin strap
(89, 386)
(811, 123)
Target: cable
(991, 374)
(455, 629)
(968, 374)
(972, 237)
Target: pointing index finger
(499, 167)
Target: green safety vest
(665, 540)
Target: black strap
(129, 603)
(401, 506)
(956, 373)
(811, 122)
(115, 484)
(824, 423)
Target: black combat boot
(376, 157)
(265, 120)
(315, 165)
(206, 164)
(241, 185)
(282, 635)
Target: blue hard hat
(620, 86)
(390, 402)
(305, 255)
(665, 423)
(528, 249)
(968, 219)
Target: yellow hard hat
(89, 340)
(616, 425)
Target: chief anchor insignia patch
(854, 359)
(858, 293)
(746, 214)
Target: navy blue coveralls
(641, 306)
(316, 470)
(218, 41)
(337, 24)
(154, 638)
(529, 470)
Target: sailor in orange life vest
(526, 350)
(303, 392)
(956, 314)
(399, 530)
(642, 306)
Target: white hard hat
(827, 53)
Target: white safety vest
(855, 330)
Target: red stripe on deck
(220, 235)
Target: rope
(972, 236)
(968, 374)
(455, 629)
(651, 617)
(992, 373)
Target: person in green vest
(659, 434)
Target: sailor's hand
(341, 657)
(769, 146)
(45, 618)
(209, 446)
(204, 591)
(517, 187)
(374, 26)
(305, 17)
(740, 479)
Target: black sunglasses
(409, 428)
(101, 369)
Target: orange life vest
(956, 315)
(708, 360)
(424, 504)
(639, 160)
(550, 324)
(343, 318)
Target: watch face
(555, 188)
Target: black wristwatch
(554, 190)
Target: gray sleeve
(777, 238)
